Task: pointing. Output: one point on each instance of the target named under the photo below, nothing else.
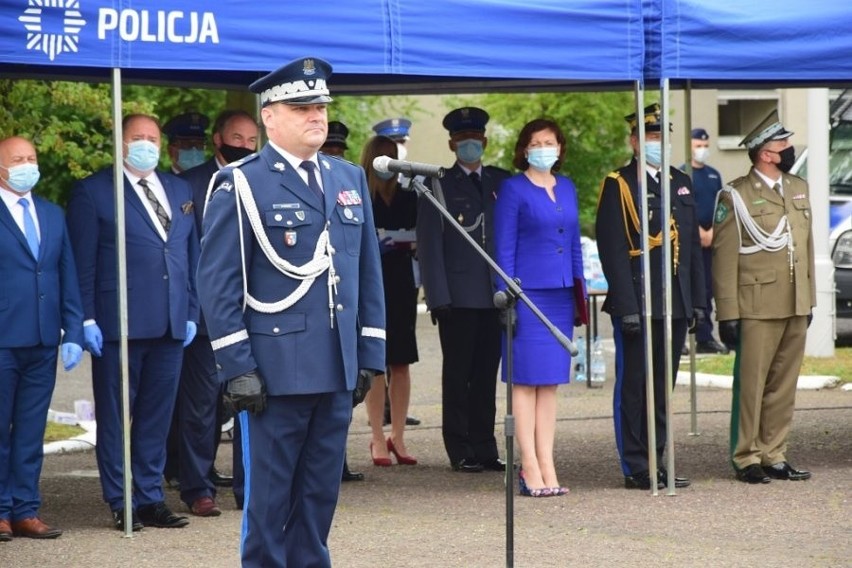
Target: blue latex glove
(191, 330)
(386, 245)
(93, 339)
(71, 354)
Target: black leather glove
(631, 325)
(363, 384)
(695, 321)
(729, 332)
(246, 392)
(440, 313)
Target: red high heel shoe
(400, 459)
(379, 462)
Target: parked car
(840, 197)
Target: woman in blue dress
(537, 237)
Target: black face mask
(233, 153)
(788, 158)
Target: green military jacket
(765, 284)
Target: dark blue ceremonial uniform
(706, 184)
(309, 362)
(455, 275)
(624, 275)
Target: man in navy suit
(162, 310)
(291, 287)
(40, 299)
(460, 294)
(196, 429)
(617, 228)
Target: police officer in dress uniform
(291, 288)
(196, 425)
(706, 183)
(459, 293)
(763, 281)
(187, 139)
(617, 229)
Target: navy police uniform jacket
(452, 271)
(297, 351)
(161, 294)
(623, 272)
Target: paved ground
(427, 515)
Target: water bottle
(580, 361)
(598, 364)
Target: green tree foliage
(71, 123)
(593, 124)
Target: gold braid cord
(630, 219)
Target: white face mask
(401, 151)
(700, 155)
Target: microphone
(386, 164)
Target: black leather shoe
(409, 420)
(468, 466)
(784, 470)
(639, 480)
(220, 479)
(663, 478)
(753, 474)
(711, 346)
(495, 464)
(159, 515)
(349, 475)
(118, 520)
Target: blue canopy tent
(376, 46)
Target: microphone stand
(505, 301)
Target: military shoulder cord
(629, 214)
(307, 273)
(781, 237)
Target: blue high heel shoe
(526, 491)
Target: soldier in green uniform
(763, 282)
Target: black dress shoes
(219, 479)
(663, 478)
(495, 464)
(784, 470)
(349, 475)
(468, 466)
(409, 420)
(752, 474)
(118, 520)
(639, 480)
(711, 346)
(159, 515)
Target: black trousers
(629, 399)
(470, 342)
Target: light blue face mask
(22, 178)
(543, 158)
(143, 155)
(654, 152)
(190, 157)
(469, 151)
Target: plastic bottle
(598, 364)
(580, 361)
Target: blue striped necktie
(30, 231)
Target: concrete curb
(806, 382)
(83, 442)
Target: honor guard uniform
(335, 142)
(291, 289)
(763, 282)
(459, 292)
(619, 239)
(187, 140)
